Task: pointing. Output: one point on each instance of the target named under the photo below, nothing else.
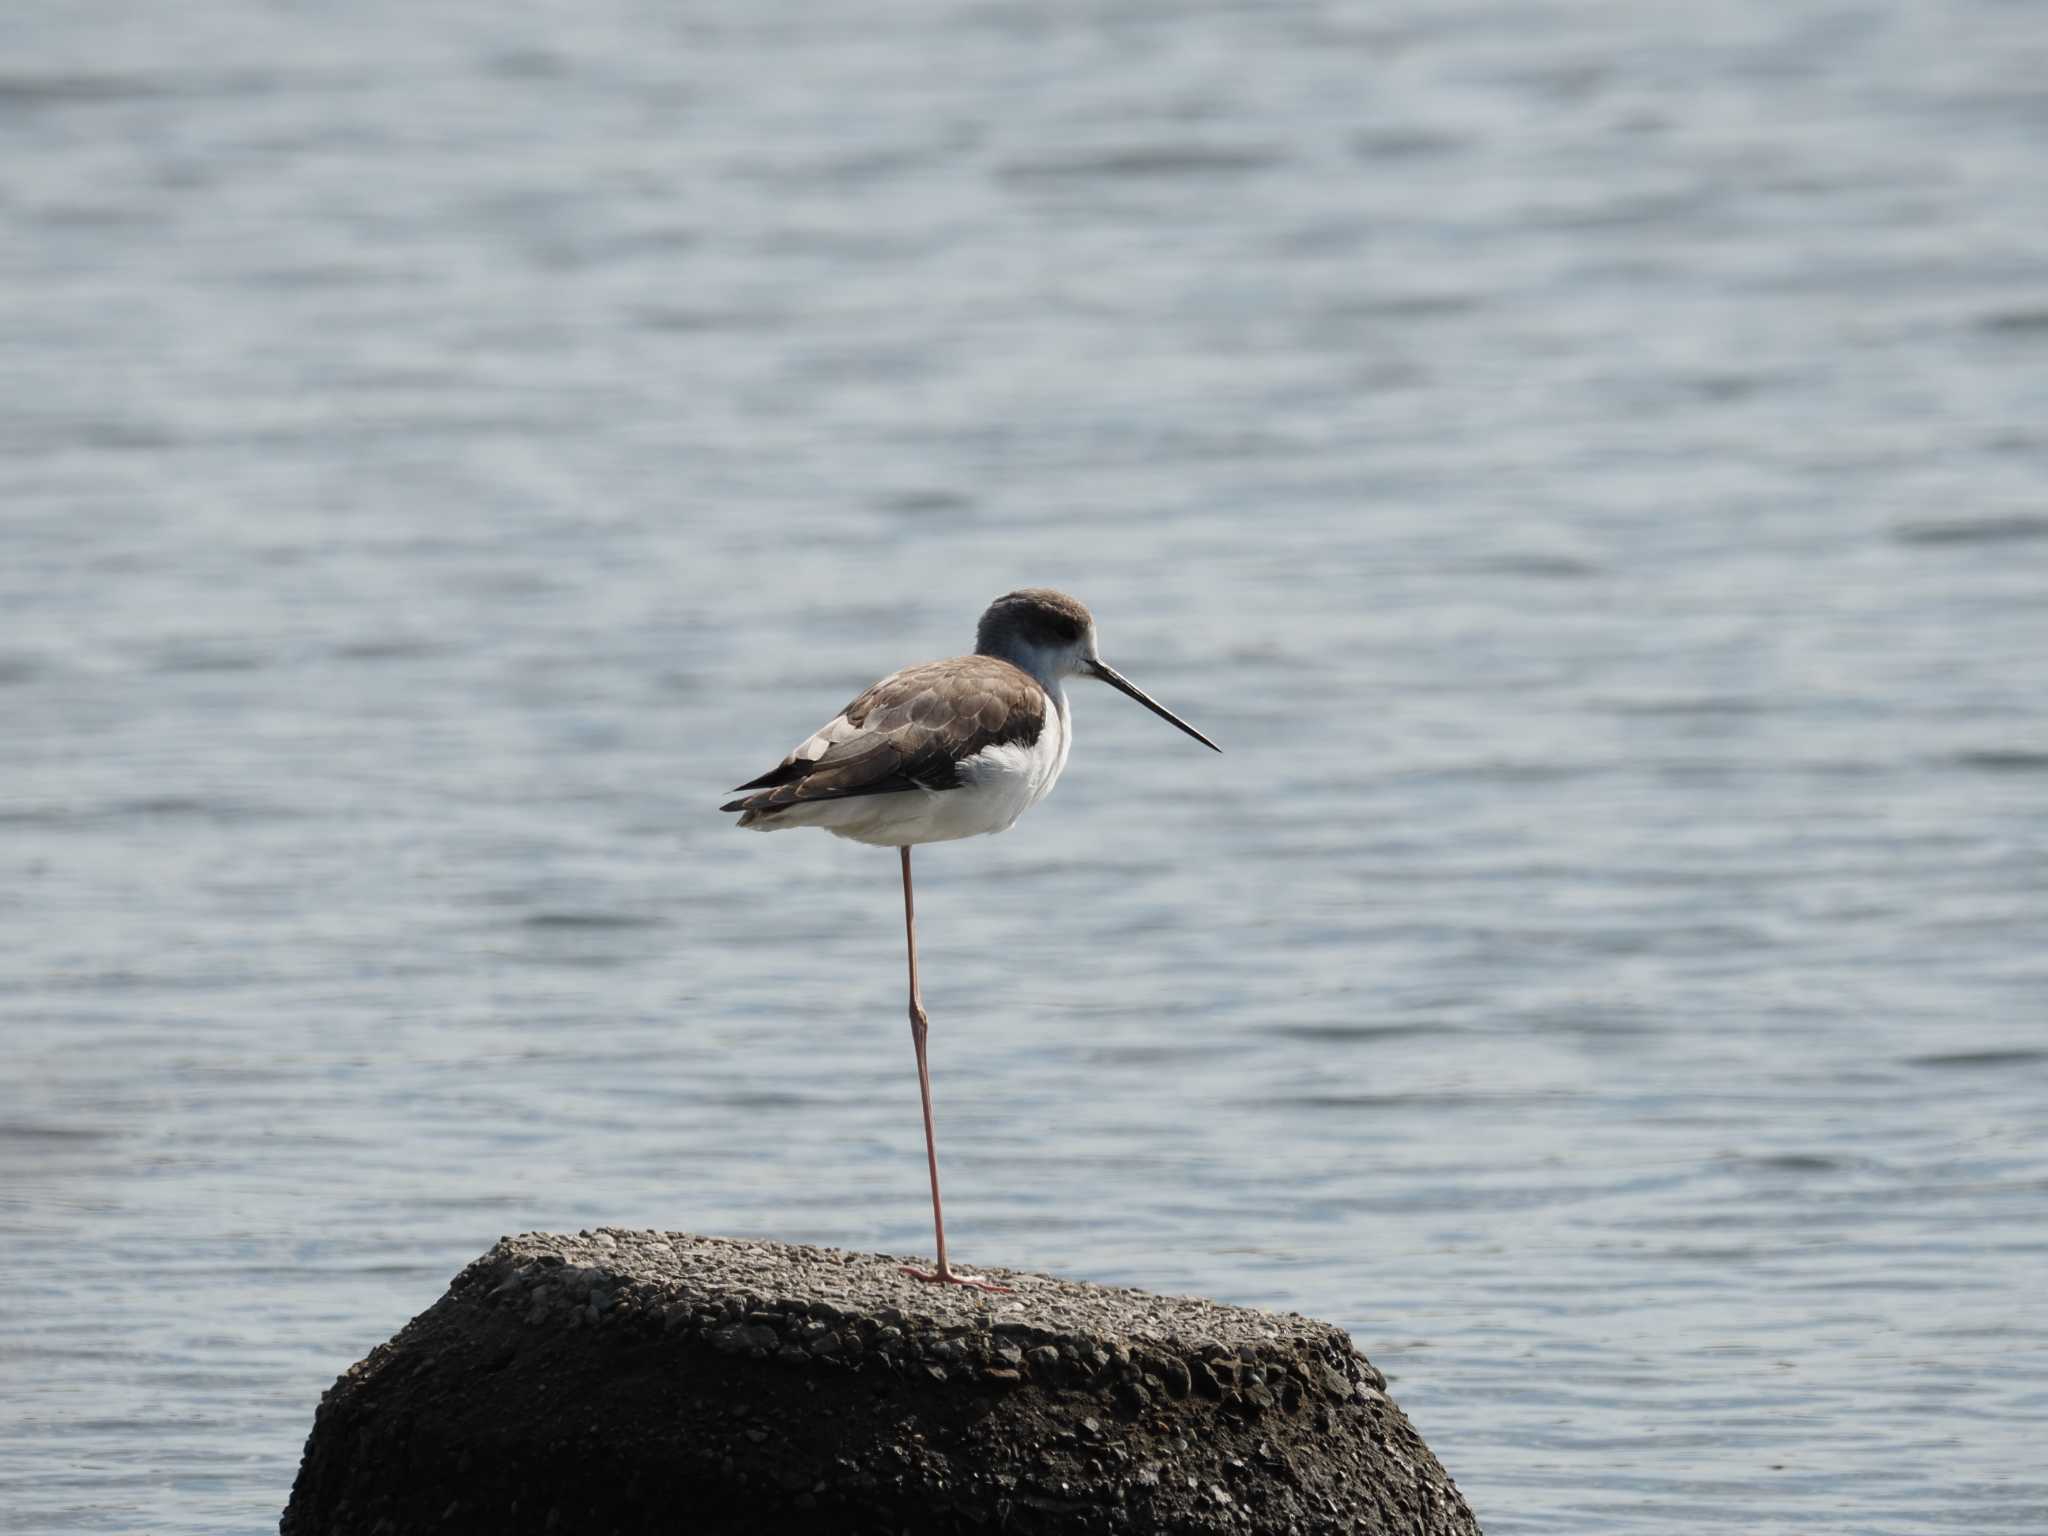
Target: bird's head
(1052, 636)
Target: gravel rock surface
(627, 1381)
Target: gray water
(1584, 462)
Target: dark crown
(1037, 615)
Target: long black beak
(1123, 685)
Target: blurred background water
(1584, 461)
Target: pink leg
(919, 1026)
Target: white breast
(1005, 782)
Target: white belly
(997, 786)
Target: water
(1585, 463)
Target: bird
(940, 751)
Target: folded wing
(912, 730)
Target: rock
(606, 1381)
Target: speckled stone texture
(621, 1381)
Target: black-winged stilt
(943, 750)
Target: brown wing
(910, 731)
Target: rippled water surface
(1585, 463)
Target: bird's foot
(949, 1277)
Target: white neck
(1048, 665)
